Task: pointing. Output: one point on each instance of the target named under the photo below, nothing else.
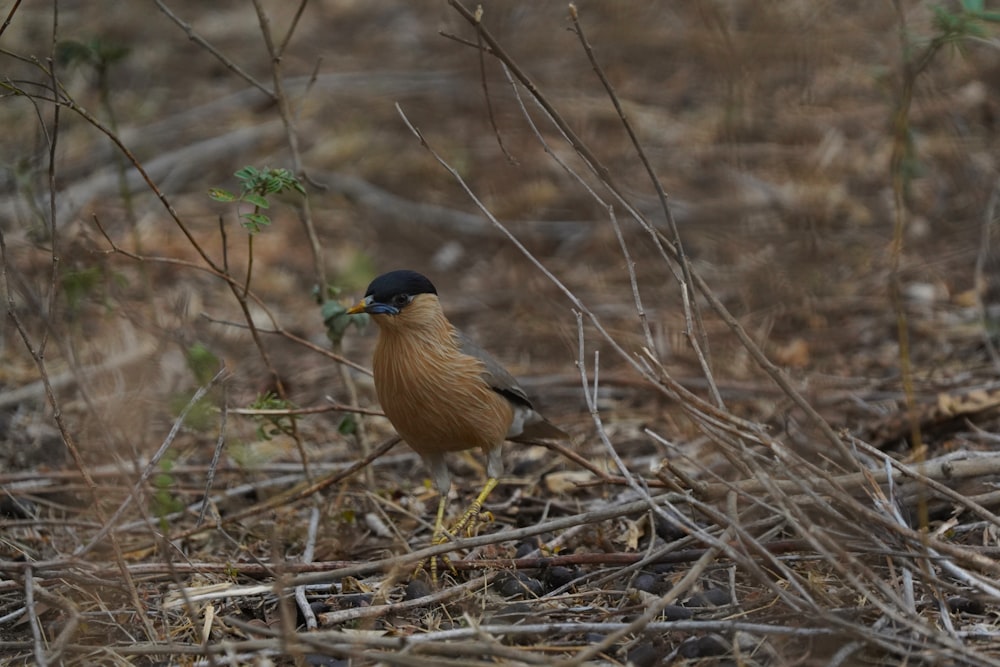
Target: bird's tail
(541, 428)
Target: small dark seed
(417, 588)
(518, 584)
(662, 568)
(675, 612)
(643, 655)
(525, 548)
(964, 605)
(559, 576)
(667, 530)
(319, 607)
(320, 660)
(710, 597)
(704, 647)
(644, 582)
(352, 600)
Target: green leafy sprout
(269, 426)
(255, 187)
(164, 500)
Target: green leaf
(337, 321)
(255, 222)
(280, 180)
(247, 173)
(269, 401)
(202, 415)
(77, 285)
(257, 200)
(269, 426)
(348, 425)
(162, 480)
(218, 194)
(973, 6)
(202, 362)
(108, 52)
(71, 52)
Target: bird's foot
(439, 536)
(431, 564)
(470, 522)
(468, 525)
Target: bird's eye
(399, 300)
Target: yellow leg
(467, 521)
(438, 537)
(475, 508)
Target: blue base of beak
(381, 309)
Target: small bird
(442, 392)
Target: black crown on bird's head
(392, 291)
(402, 281)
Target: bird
(441, 391)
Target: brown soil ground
(771, 128)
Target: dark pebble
(666, 530)
(17, 508)
(644, 582)
(318, 660)
(559, 576)
(320, 606)
(964, 605)
(352, 600)
(703, 647)
(643, 655)
(524, 548)
(675, 612)
(517, 584)
(524, 468)
(710, 597)
(662, 568)
(416, 588)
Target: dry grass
(745, 486)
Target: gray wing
(495, 375)
(527, 423)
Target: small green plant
(98, 53)
(203, 362)
(78, 284)
(164, 501)
(955, 27)
(336, 319)
(202, 415)
(269, 426)
(255, 187)
(359, 271)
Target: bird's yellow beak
(359, 307)
(372, 307)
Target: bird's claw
(441, 538)
(471, 522)
(468, 524)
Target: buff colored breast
(433, 394)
